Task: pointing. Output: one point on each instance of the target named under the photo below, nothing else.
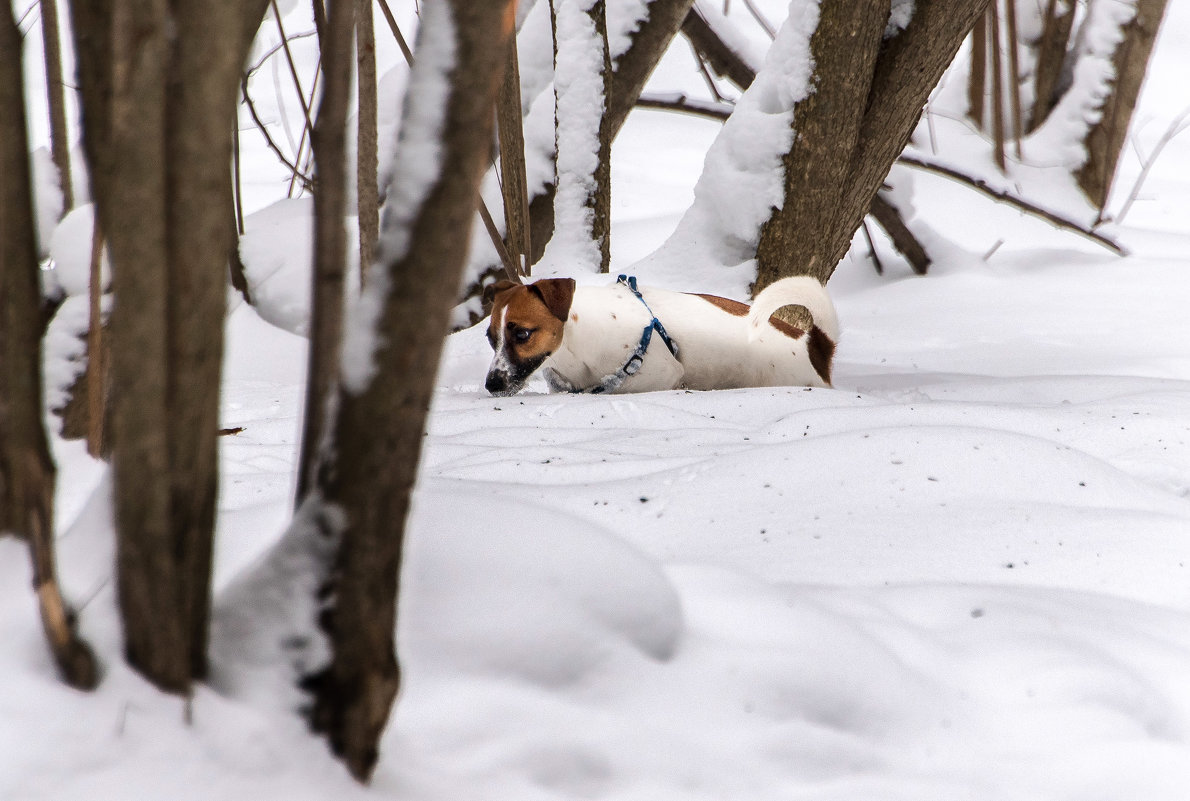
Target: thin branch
(274, 50)
(392, 24)
(1179, 124)
(1014, 77)
(305, 138)
(305, 179)
(872, 249)
(997, 87)
(292, 66)
(679, 102)
(505, 257)
(760, 20)
(1012, 200)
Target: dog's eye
(521, 335)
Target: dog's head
(525, 328)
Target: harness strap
(612, 382)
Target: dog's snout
(496, 383)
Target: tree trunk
(513, 182)
(1106, 137)
(632, 71)
(379, 422)
(367, 194)
(27, 471)
(1051, 54)
(330, 238)
(56, 100)
(848, 149)
(159, 104)
(601, 202)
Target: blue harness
(612, 382)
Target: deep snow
(959, 574)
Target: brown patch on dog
(822, 353)
(524, 308)
(737, 309)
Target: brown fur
(737, 309)
(822, 353)
(528, 308)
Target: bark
(366, 167)
(158, 109)
(997, 88)
(378, 432)
(977, 77)
(844, 48)
(1106, 138)
(27, 472)
(601, 203)
(513, 183)
(330, 237)
(633, 67)
(901, 76)
(722, 59)
(903, 240)
(1051, 53)
(59, 140)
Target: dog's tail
(800, 290)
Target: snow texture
(742, 179)
(578, 86)
(418, 166)
(960, 575)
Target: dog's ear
(492, 290)
(556, 293)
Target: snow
(418, 164)
(960, 575)
(578, 86)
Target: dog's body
(586, 338)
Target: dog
(619, 339)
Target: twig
(760, 20)
(1180, 123)
(392, 24)
(292, 66)
(872, 249)
(95, 371)
(305, 179)
(305, 131)
(1004, 197)
(679, 102)
(274, 50)
(505, 257)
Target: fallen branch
(1005, 197)
(889, 218)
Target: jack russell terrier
(601, 339)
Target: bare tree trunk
(27, 472)
(601, 203)
(367, 194)
(977, 78)
(997, 87)
(330, 238)
(904, 241)
(159, 102)
(513, 181)
(1051, 53)
(59, 139)
(1106, 138)
(378, 427)
(852, 156)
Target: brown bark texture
(851, 129)
(330, 237)
(367, 194)
(378, 432)
(977, 74)
(1106, 138)
(1051, 53)
(601, 202)
(27, 472)
(56, 100)
(158, 109)
(514, 185)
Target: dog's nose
(496, 383)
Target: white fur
(717, 350)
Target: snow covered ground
(959, 574)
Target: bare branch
(1005, 197)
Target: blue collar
(612, 382)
